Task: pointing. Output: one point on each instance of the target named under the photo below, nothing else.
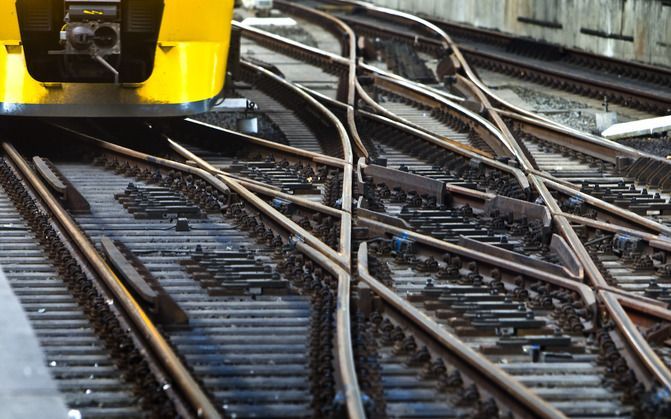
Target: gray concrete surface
(637, 29)
(26, 387)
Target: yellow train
(112, 58)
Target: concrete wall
(639, 29)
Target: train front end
(112, 58)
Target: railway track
(538, 331)
(588, 157)
(384, 145)
(574, 162)
(380, 248)
(240, 356)
(136, 223)
(95, 379)
(632, 85)
(232, 339)
(623, 176)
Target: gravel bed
(658, 146)
(547, 105)
(295, 33)
(267, 129)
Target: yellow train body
(189, 69)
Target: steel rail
(544, 124)
(256, 186)
(648, 308)
(502, 148)
(575, 137)
(321, 109)
(555, 128)
(315, 157)
(646, 301)
(422, 94)
(584, 142)
(335, 122)
(266, 37)
(186, 383)
(346, 370)
(503, 38)
(510, 146)
(350, 113)
(659, 101)
(299, 50)
(477, 88)
(632, 337)
(655, 240)
(472, 83)
(628, 216)
(223, 184)
(454, 345)
(350, 52)
(345, 218)
(585, 292)
(516, 173)
(637, 343)
(447, 40)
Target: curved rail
(585, 292)
(516, 173)
(477, 88)
(345, 355)
(636, 341)
(345, 218)
(221, 183)
(493, 373)
(332, 120)
(498, 142)
(306, 244)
